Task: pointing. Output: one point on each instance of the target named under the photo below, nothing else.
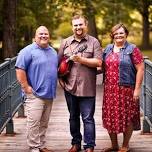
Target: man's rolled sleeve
(97, 50)
(23, 59)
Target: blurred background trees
(20, 18)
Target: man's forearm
(22, 78)
(90, 62)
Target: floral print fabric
(119, 109)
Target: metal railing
(10, 94)
(146, 98)
(11, 99)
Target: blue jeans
(86, 107)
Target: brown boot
(45, 150)
(89, 150)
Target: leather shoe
(45, 150)
(75, 148)
(89, 150)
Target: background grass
(148, 53)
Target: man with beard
(80, 84)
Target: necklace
(116, 49)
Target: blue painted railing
(146, 98)
(10, 94)
(11, 100)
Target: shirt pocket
(67, 52)
(88, 53)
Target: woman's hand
(136, 95)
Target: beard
(79, 33)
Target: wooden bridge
(58, 136)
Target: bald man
(36, 71)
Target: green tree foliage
(25, 22)
(64, 30)
(144, 7)
(33, 13)
(56, 15)
(86, 8)
(111, 12)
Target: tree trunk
(28, 35)
(9, 29)
(92, 27)
(89, 11)
(145, 16)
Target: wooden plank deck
(58, 136)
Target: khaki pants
(38, 112)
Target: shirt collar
(73, 38)
(125, 45)
(38, 47)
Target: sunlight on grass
(148, 53)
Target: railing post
(146, 126)
(10, 124)
(11, 100)
(21, 111)
(10, 127)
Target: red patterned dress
(119, 109)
